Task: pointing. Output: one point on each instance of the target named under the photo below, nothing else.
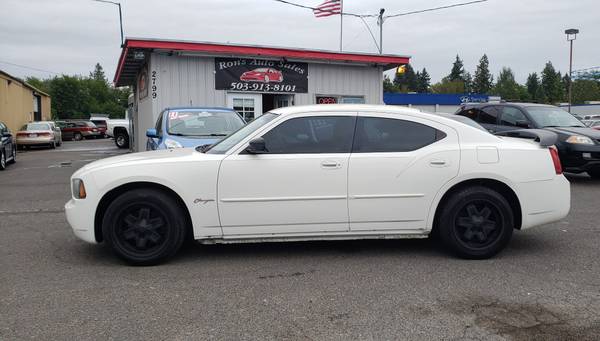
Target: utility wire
(586, 69)
(433, 9)
(28, 67)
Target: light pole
(380, 22)
(120, 16)
(571, 35)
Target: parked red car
(78, 130)
(101, 124)
(264, 75)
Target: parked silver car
(43, 133)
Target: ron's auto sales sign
(259, 75)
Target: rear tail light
(43, 134)
(556, 160)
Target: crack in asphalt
(33, 211)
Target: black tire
(52, 145)
(122, 140)
(14, 155)
(2, 160)
(594, 173)
(144, 226)
(475, 223)
(77, 137)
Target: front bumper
(81, 218)
(579, 158)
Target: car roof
(515, 104)
(346, 107)
(199, 108)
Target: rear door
(398, 164)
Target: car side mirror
(523, 124)
(257, 146)
(152, 133)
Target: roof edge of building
(24, 83)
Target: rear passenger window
(375, 134)
(511, 116)
(472, 113)
(488, 115)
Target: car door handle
(330, 164)
(437, 163)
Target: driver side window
(309, 135)
(511, 116)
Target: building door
(37, 108)
(249, 106)
(284, 101)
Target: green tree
(406, 81)
(446, 86)
(388, 86)
(483, 81)
(507, 87)
(585, 90)
(458, 71)
(98, 74)
(534, 88)
(423, 81)
(552, 84)
(468, 82)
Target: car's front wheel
(475, 223)
(144, 226)
(2, 160)
(594, 173)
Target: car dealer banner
(258, 75)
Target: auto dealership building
(250, 79)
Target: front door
(396, 169)
(249, 106)
(298, 187)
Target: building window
(334, 99)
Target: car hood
(589, 132)
(167, 155)
(187, 141)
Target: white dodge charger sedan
(322, 173)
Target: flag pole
(341, 23)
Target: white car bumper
(544, 202)
(80, 219)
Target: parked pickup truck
(119, 130)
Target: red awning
(136, 50)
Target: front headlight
(170, 144)
(78, 189)
(578, 139)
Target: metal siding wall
(331, 79)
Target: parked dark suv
(578, 145)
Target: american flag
(329, 7)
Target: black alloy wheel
(475, 222)
(594, 173)
(144, 226)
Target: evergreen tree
(566, 81)
(468, 82)
(533, 87)
(424, 82)
(552, 84)
(406, 81)
(388, 86)
(458, 71)
(98, 73)
(507, 87)
(483, 81)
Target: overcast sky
(70, 36)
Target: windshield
(233, 139)
(553, 117)
(36, 126)
(202, 123)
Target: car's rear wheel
(144, 226)
(476, 223)
(77, 137)
(594, 173)
(122, 140)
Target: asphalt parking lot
(545, 286)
